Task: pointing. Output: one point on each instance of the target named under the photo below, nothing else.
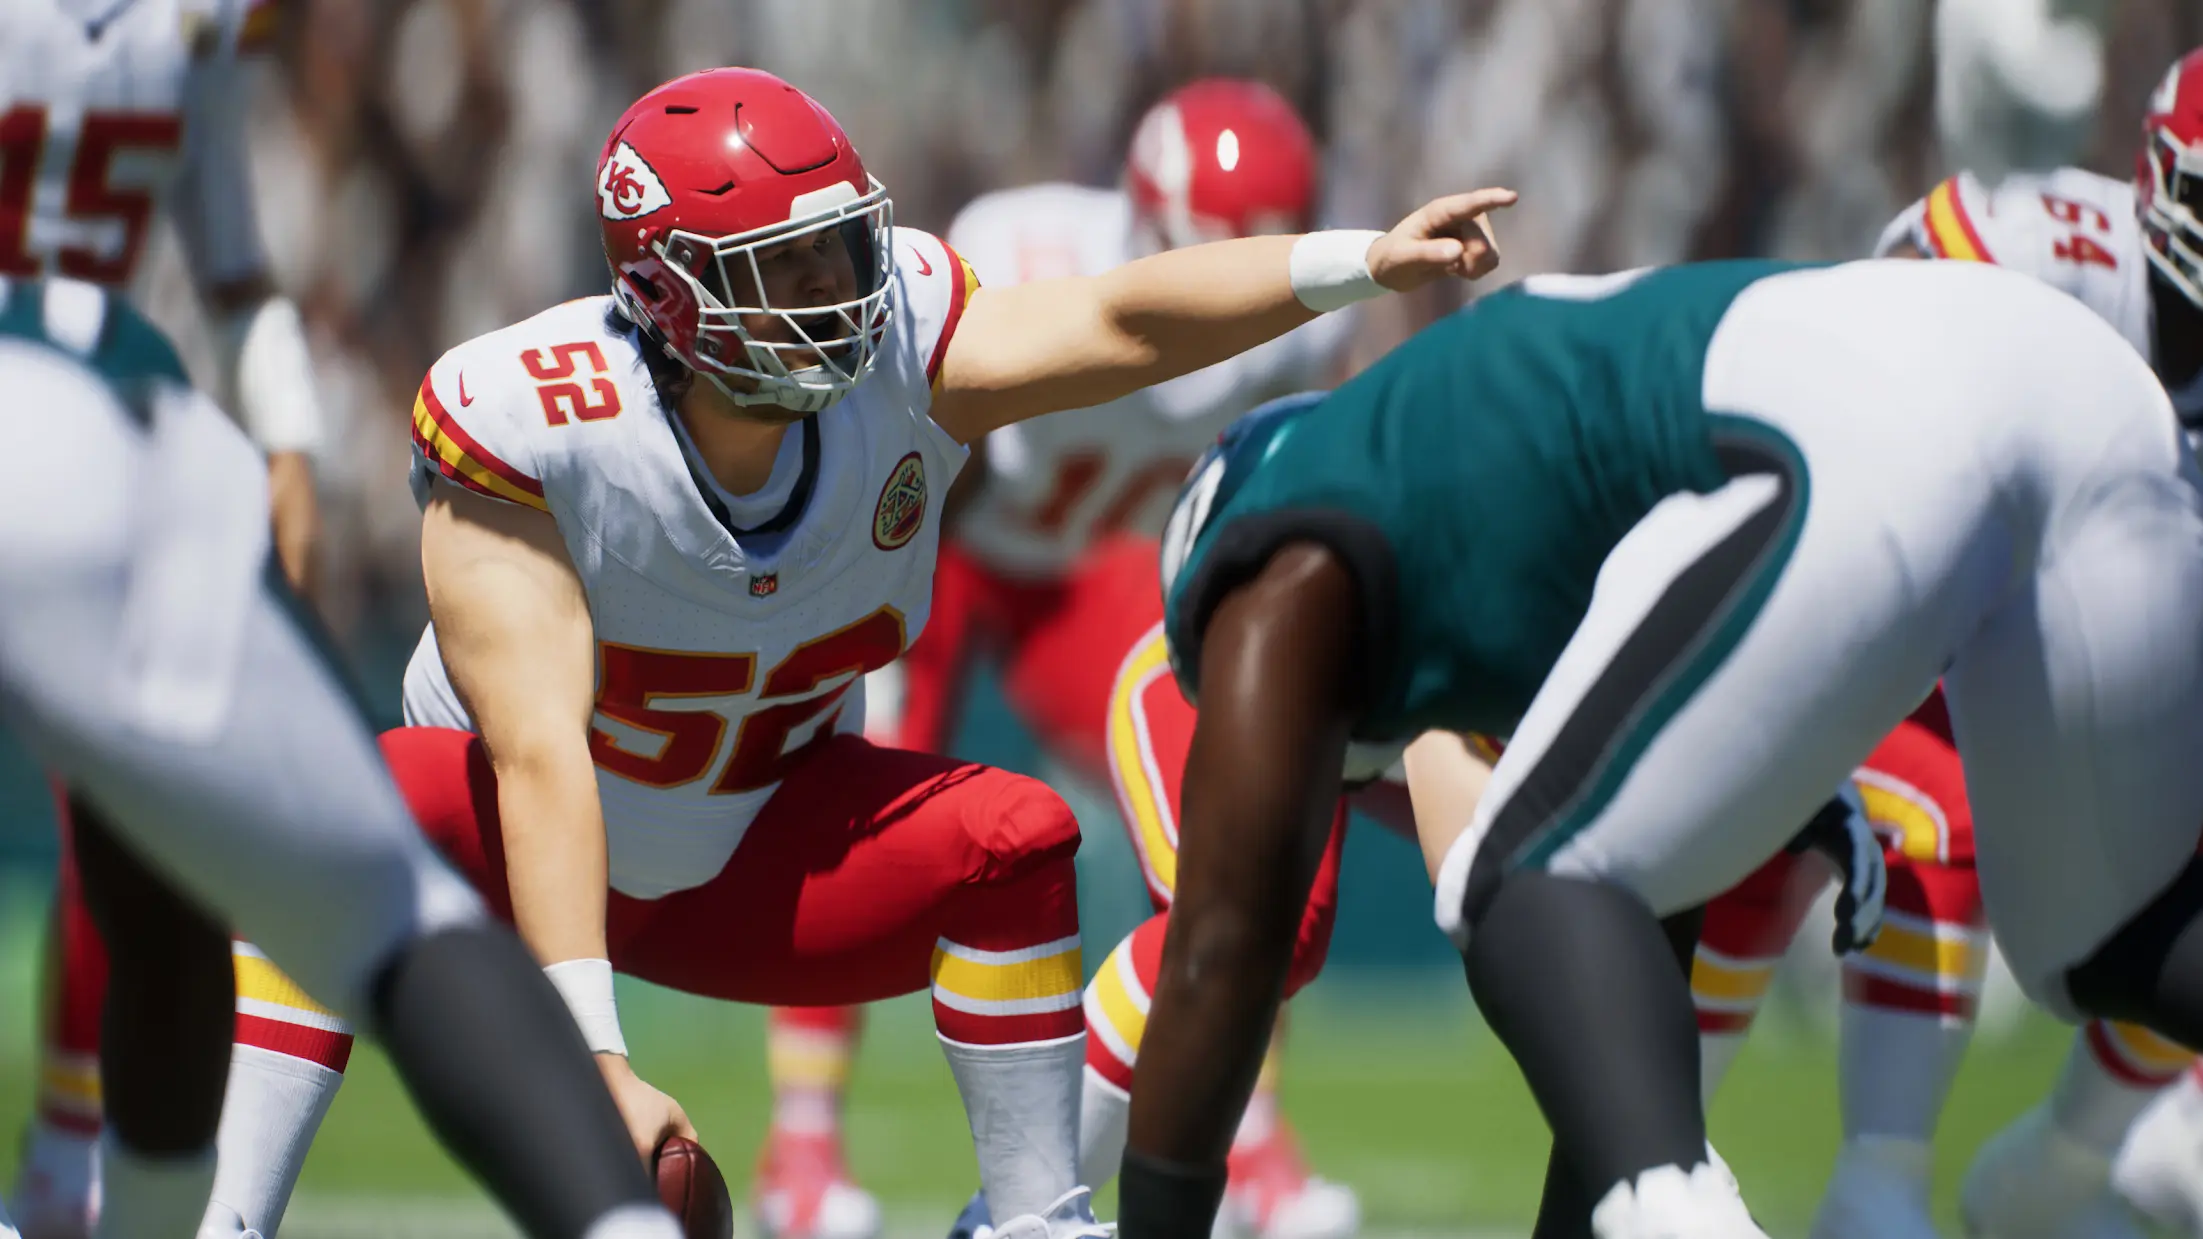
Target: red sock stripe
(1723, 1022)
(2120, 1067)
(315, 1045)
(1868, 990)
(1008, 1029)
(71, 1121)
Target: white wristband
(586, 985)
(273, 380)
(1330, 270)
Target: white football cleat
(2032, 1181)
(1070, 1217)
(2159, 1170)
(1878, 1190)
(56, 1192)
(1668, 1202)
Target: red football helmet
(1221, 158)
(697, 177)
(2168, 177)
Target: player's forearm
(1072, 343)
(1445, 780)
(556, 865)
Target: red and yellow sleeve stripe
(963, 282)
(455, 454)
(1951, 232)
(1143, 790)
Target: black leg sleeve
(171, 998)
(492, 1058)
(1579, 980)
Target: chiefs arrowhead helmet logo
(627, 187)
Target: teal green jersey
(100, 331)
(1473, 481)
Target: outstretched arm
(1261, 782)
(1036, 348)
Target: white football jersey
(110, 112)
(2073, 230)
(717, 659)
(1056, 483)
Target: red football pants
(867, 869)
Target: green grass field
(1392, 1082)
(1395, 1087)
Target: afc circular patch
(902, 506)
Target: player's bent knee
(1020, 825)
(394, 901)
(2150, 972)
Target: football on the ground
(691, 1186)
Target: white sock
(273, 1107)
(1896, 1070)
(2092, 1106)
(151, 1197)
(7, 1225)
(1023, 1103)
(635, 1222)
(1716, 1054)
(1104, 1111)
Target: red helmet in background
(697, 177)
(2168, 177)
(1221, 158)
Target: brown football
(691, 1186)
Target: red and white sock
(284, 1072)
(2111, 1075)
(807, 1056)
(1116, 1018)
(1746, 932)
(1006, 1002)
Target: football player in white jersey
(112, 114)
(1049, 570)
(149, 654)
(2128, 251)
(666, 532)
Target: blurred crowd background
(423, 167)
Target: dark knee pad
(2150, 972)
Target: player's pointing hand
(1448, 236)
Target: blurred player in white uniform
(1048, 570)
(112, 115)
(149, 656)
(667, 531)
(2128, 251)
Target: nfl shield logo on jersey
(628, 187)
(902, 507)
(764, 585)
